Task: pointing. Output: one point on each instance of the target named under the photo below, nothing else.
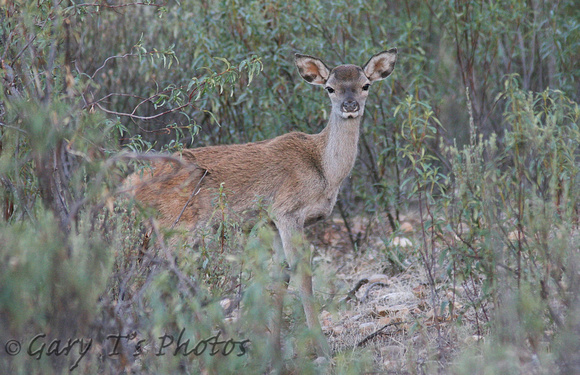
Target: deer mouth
(350, 115)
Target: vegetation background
(476, 134)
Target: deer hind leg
(298, 258)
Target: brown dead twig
(377, 333)
(352, 294)
(194, 192)
(191, 95)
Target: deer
(297, 175)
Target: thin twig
(193, 193)
(121, 190)
(128, 54)
(352, 294)
(13, 127)
(169, 262)
(141, 117)
(377, 332)
(105, 5)
(344, 216)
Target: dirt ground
(389, 309)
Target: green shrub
(496, 184)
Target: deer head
(347, 85)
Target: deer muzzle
(350, 106)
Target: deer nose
(350, 106)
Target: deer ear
(381, 65)
(313, 70)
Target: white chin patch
(350, 114)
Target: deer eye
(329, 89)
(366, 87)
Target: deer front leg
(298, 257)
(280, 287)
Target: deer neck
(340, 147)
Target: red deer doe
(297, 175)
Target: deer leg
(298, 258)
(280, 289)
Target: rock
(384, 321)
(338, 330)
(367, 327)
(378, 278)
(406, 227)
(226, 303)
(321, 361)
(398, 297)
(402, 242)
(356, 317)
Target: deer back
(284, 173)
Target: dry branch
(352, 294)
(377, 332)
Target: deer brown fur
(297, 175)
